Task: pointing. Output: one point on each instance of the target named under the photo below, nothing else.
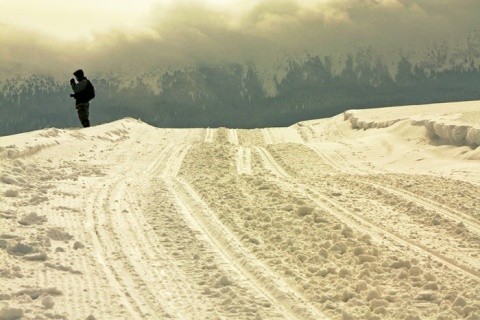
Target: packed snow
(371, 214)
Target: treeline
(236, 96)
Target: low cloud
(185, 34)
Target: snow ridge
(439, 130)
(453, 133)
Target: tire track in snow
(127, 248)
(174, 162)
(432, 205)
(244, 160)
(284, 135)
(168, 285)
(188, 300)
(96, 295)
(428, 204)
(237, 260)
(443, 227)
(233, 136)
(103, 250)
(176, 190)
(327, 159)
(87, 291)
(266, 136)
(360, 223)
(209, 135)
(140, 246)
(271, 164)
(161, 157)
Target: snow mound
(445, 123)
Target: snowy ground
(372, 214)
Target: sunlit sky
(121, 34)
(70, 20)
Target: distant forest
(235, 95)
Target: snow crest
(439, 129)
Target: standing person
(83, 93)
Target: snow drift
(448, 130)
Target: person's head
(79, 74)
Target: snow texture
(371, 214)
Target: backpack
(89, 92)
(86, 94)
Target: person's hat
(78, 73)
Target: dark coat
(79, 90)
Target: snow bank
(446, 124)
(457, 134)
(359, 123)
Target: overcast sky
(59, 36)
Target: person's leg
(83, 115)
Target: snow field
(367, 215)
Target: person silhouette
(83, 92)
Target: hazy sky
(107, 35)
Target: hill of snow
(372, 214)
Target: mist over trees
(238, 96)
